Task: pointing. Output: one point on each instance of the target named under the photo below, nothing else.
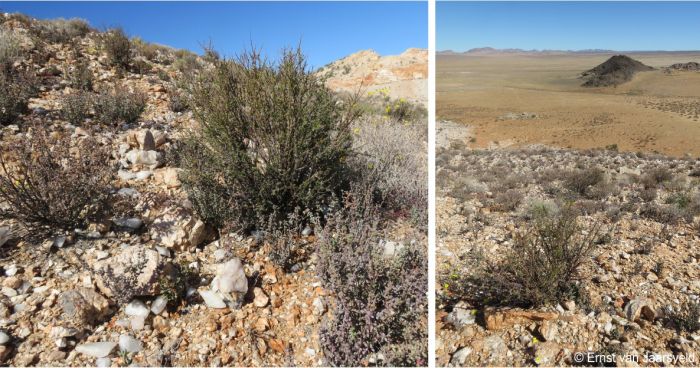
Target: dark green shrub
(118, 48)
(75, 108)
(272, 139)
(52, 182)
(16, 87)
(119, 106)
(380, 303)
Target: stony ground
(90, 297)
(647, 267)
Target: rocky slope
(404, 76)
(92, 297)
(643, 271)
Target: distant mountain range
(494, 51)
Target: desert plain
(655, 112)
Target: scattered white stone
(138, 323)
(220, 254)
(319, 307)
(4, 338)
(310, 352)
(61, 342)
(11, 270)
(103, 362)
(59, 241)
(129, 344)
(101, 254)
(159, 304)
(137, 308)
(261, 299)
(460, 356)
(307, 231)
(212, 299)
(127, 192)
(230, 278)
(96, 349)
(132, 223)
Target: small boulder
(177, 228)
(135, 271)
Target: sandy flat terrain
(516, 100)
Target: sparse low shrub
(380, 304)
(273, 138)
(538, 209)
(10, 48)
(151, 51)
(401, 110)
(52, 183)
(173, 284)
(662, 213)
(581, 181)
(286, 247)
(686, 317)
(178, 102)
(466, 187)
(393, 159)
(140, 66)
(61, 30)
(186, 62)
(119, 106)
(542, 268)
(80, 76)
(75, 108)
(682, 200)
(509, 200)
(118, 48)
(656, 176)
(648, 195)
(16, 87)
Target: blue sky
(621, 26)
(327, 30)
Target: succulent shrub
(75, 107)
(118, 48)
(272, 138)
(380, 301)
(119, 106)
(50, 182)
